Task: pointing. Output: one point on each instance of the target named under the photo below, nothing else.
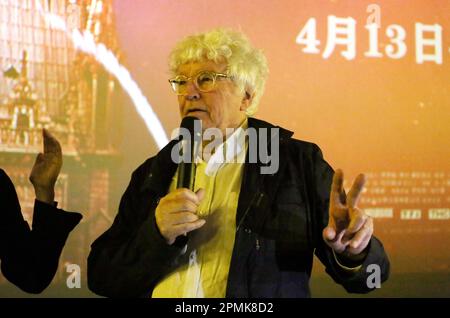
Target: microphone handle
(186, 170)
(186, 175)
(186, 178)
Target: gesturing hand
(349, 229)
(46, 168)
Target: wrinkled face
(223, 107)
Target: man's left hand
(349, 229)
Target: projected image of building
(46, 83)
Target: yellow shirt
(203, 269)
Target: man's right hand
(176, 213)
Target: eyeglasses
(205, 81)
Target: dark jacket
(29, 258)
(279, 220)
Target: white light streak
(85, 42)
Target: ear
(246, 100)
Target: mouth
(195, 110)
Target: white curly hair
(246, 64)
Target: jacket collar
(163, 168)
(258, 123)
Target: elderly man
(240, 233)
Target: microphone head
(193, 125)
(188, 123)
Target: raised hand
(349, 229)
(46, 168)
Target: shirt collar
(230, 151)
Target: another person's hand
(349, 229)
(46, 169)
(176, 213)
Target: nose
(192, 92)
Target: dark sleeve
(31, 259)
(131, 256)
(353, 282)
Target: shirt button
(247, 230)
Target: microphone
(190, 135)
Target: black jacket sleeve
(30, 258)
(131, 256)
(352, 281)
